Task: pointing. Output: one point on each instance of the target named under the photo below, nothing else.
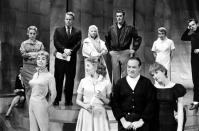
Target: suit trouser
(195, 75)
(38, 115)
(119, 61)
(67, 69)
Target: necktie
(68, 30)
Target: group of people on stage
(137, 104)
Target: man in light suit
(67, 41)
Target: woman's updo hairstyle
(32, 27)
(44, 53)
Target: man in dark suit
(134, 100)
(120, 46)
(67, 41)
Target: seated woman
(20, 98)
(93, 46)
(169, 98)
(92, 94)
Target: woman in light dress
(42, 95)
(92, 95)
(93, 46)
(163, 49)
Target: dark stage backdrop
(17, 15)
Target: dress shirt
(132, 81)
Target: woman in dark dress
(169, 98)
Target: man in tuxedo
(67, 41)
(134, 100)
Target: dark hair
(157, 67)
(101, 69)
(135, 58)
(120, 11)
(192, 19)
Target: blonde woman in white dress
(93, 46)
(163, 49)
(92, 94)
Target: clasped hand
(196, 51)
(88, 107)
(132, 125)
(99, 95)
(67, 52)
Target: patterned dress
(29, 62)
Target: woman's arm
(180, 114)
(52, 90)
(79, 101)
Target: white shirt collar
(132, 81)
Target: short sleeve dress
(167, 100)
(97, 120)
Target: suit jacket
(124, 41)
(63, 41)
(141, 100)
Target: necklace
(41, 70)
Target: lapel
(64, 32)
(72, 33)
(122, 33)
(115, 31)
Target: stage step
(61, 118)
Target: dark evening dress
(167, 103)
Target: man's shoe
(194, 106)
(56, 103)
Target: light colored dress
(98, 119)
(42, 84)
(92, 48)
(163, 50)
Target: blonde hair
(71, 14)
(93, 27)
(44, 53)
(32, 27)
